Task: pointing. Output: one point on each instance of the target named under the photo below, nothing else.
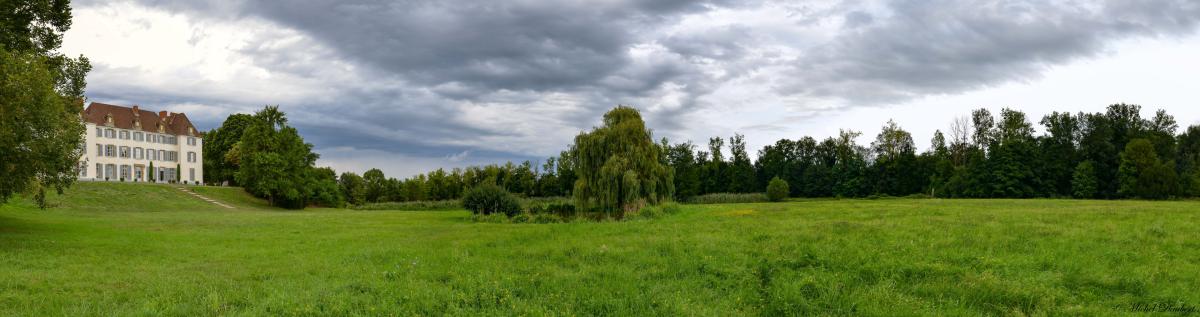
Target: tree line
(1106, 155)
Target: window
(138, 136)
(191, 141)
(99, 132)
(110, 150)
(124, 135)
(138, 153)
(82, 169)
(99, 151)
(124, 152)
(192, 174)
(162, 155)
(110, 133)
(173, 156)
(99, 170)
(191, 157)
(110, 171)
(125, 171)
(152, 138)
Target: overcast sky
(408, 86)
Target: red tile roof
(125, 118)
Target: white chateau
(123, 143)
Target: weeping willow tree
(619, 166)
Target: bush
(492, 218)
(522, 218)
(546, 218)
(413, 205)
(658, 211)
(728, 198)
(489, 199)
(777, 189)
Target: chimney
(162, 115)
(135, 110)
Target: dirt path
(190, 192)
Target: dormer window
(191, 131)
(137, 125)
(108, 120)
(161, 129)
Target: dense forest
(1110, 155)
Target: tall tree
(1187, 161)
(619, 165)
(741, 171)
(41, 96)
(682, 159)
(1059, 147)
(219, 165)
(375, 184)
(353, 188)
(895, 169)
(1013, 157)
(1141, 174)
(276, 164)
(716, 170)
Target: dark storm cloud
(418, 67)
(946, 47)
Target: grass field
(130, 250)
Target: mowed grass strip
(136, 249)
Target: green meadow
(148, 250)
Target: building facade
(135, 145)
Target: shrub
(488, 199)
(413, 205)
(777, 189)
(492, 218)
(728, 198)
(523, 217)
(560, 206)
(658, 211)
(546, 218)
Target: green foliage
(741, 172)
(619, 166)
(564, 208)
(41, 96)
(487, 199)
(353, 188)
(413, 205)
(658, 211)
(1141, 174)
(728, 198)
(777, 189)
(220, 158)
(324, 188)
(1084, 182)
(40, 130)
(896, 167)
(375, 184)
(275, 163)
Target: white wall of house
(114, 154)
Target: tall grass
(452, 204)
(728, 198)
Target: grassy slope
(883, 257)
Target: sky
(411, 86)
